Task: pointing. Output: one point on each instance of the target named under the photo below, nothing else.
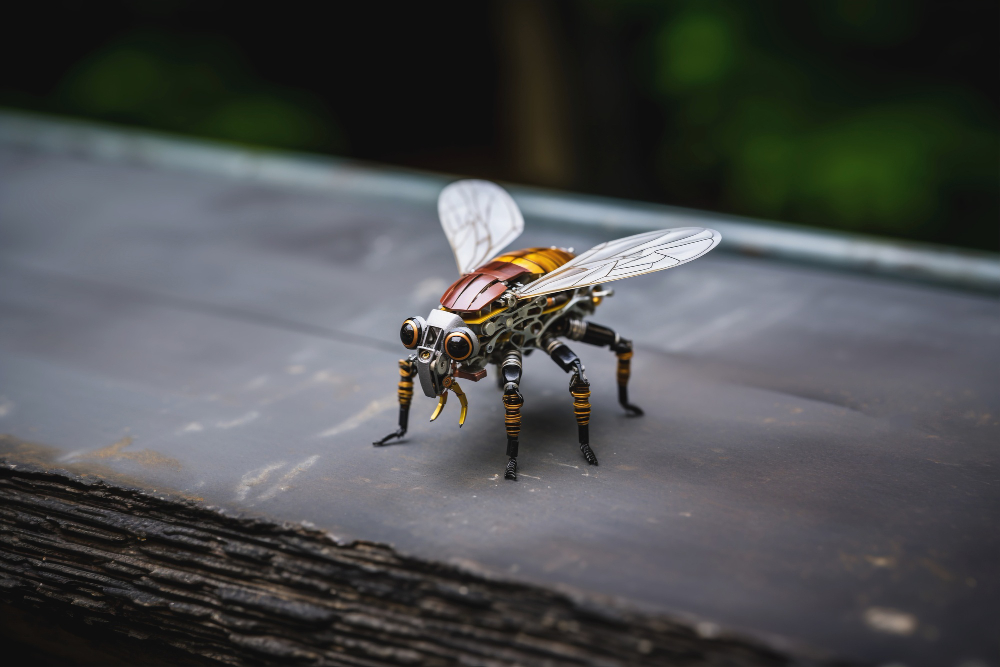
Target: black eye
(409, 333)
(458, 345)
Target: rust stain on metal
(17, 452)
(146, 457)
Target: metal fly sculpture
(504, 307)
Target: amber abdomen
(474, 291)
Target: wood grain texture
(245, 591)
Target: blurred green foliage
(196, 85)
(774, 131)
(881, 116)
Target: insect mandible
(505, 305)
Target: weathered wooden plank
(817, 466)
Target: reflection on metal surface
(376, 407)
(853, 252)
(255, 478)
(285, 482)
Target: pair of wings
(480, 218)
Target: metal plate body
(475, 291)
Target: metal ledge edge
(942, 265)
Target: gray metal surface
(936, 264)
(818, 460)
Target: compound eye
(458, 345)
(409, 333)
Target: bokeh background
(872, 116)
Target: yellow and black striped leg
(510, 371)
(602, 336)
(407, 369)
(580, 389)
(624, 353)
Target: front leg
(510, 372)
(407, 369)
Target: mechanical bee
(501, 309)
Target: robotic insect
(502, 308)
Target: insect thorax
(487, 301)
(521, 324)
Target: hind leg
(602, 336)
(579, 388)
(623, 351)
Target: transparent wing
(627, 257)
(480, 219)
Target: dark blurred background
(878, 116)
